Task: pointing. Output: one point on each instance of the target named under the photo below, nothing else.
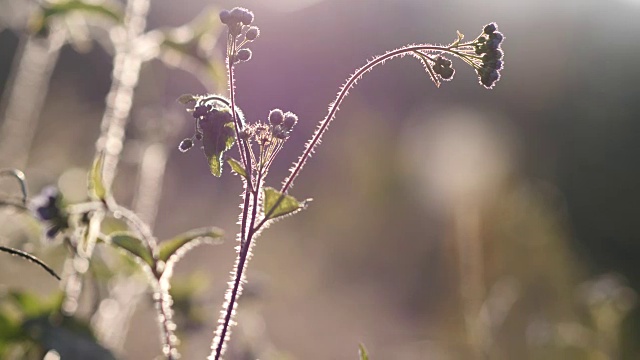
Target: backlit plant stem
(125, 74)
(333, 109)
(25, 98)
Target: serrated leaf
(97, 189)
(237, 167)
(288, 205)
(363, 352)
(172, 246)
(185, 99)
(133, 246)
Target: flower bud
(242, 15)
(243, 55)
(447, 73)
(200, 111)
(290, 119)
(276, 117)
(252, 33)
(225, 16)
(490, 28)
(185, 145)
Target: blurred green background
(444, 220)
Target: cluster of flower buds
(48, 207)
(282, 123)
(489, 45)
(238, 21)
(270, 136)
(443, 68)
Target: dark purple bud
(447, 73)
(496, 36)
(280, 133)
(490, 28)
(252, 33)
(200, 111)
(276, 117)
(290, 119)
(243, 55)
(225, 16)
(493, 44)
(496, 54)
(185, 145)
(238, 13)
(247, 17)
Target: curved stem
(19, 176)
(324, 124)
(31, 258)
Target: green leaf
(237, 167)
(363, 352)
(170, 247)
(287, 206)
(185, 99)
(97, 189)
(133, 246)
(218, 136)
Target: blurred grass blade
(363, 352)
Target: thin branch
(26, 255)
(18, 175)
(333, 108)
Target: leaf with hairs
(132, 245)
(171, 247)
(287, 206)
(237, 167)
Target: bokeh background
(445, 223)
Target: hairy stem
(333, 108)
(125, 74)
